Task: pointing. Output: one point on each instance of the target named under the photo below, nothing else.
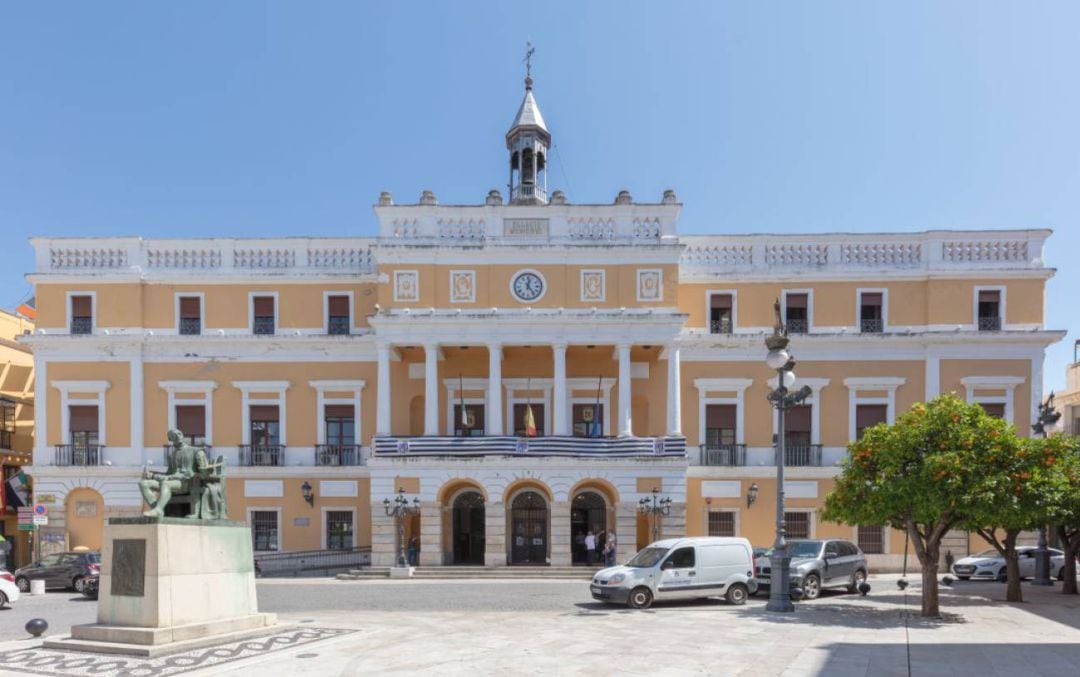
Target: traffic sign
(41, 520)
(40, 509)
(26, 527)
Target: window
(989, 310)
(797, 524)
(519, 419)
(797, 425)
(588, 420)
(83, 424)
(339, 529)
(7, 424)
(1076, 426)
(832, 549)
(264, 530)
(868, 416)
(871, 316)
(262, 321)
(797, 316)
(721, 316)
(265, 426)
(719, 425)
(722, 523)
(683, 558)
(338, 318)
(340, 421)
(995, 409)
(190, 315)
(82, 314)
(50, 560)
(472, 424)
(191, 420)
(872, 539)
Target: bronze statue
(190, 474)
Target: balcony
(720, 326)
(991, 323)
(797, 325)
(82, 325)
(263, 324)
(272, 455)
(803, 455)
(337, 454)
(871, 325)
(591, 447)
(528, 192)
(190, 326)
(727, 455)
(79, 455)
(338, 325)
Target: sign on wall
(525, 227)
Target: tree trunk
(928, 550)
(1013, 592)
(930, 606)
(1070, 539)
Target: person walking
(590, 547)
(609, 549)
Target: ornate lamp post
(781, 398)
(1047, 417)
(399, 509)
(653, 507)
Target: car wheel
(3, 599)
(23, 584)
(640, 598)
(1003, 575)
(78, 583)
(811, 586)
(737, 594)
(857, 579)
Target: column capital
(623, 345)
(559, 345)
(383, 345)
(494, 345)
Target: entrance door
(588, 512)
(468, 531)
(528, 529)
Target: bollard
(37, 626)
(37, 587)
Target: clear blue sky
(262, 119)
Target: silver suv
(817, 564)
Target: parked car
(990, 564)
(818, 564)
(90, 587)
(9, 592)
(680, 568)
(60, 570)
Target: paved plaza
(552, 627)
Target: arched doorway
(468, 529)
(588, 512)
(85, 512)
(528, 529)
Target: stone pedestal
(171, 584)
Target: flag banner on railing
(530, 422)
(17, 490)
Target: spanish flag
(530, 422)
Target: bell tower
(528, 141)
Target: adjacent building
(16, 434)
(529, 369)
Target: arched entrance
(588, 512)
(468, 529)
(528, 529)
(85, 513)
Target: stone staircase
(580, 573)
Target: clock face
(527, 286)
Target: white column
(625, 429)
(431, 388)
(674, 391)
(41, 420)
(382, 393)
(561, 423)
(494, 415)
(136, 394)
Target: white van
(680, 568)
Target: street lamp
(653, 507)
(1047, 417)
(399, 509)
(780, 359)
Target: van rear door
(718, 563)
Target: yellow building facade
(330, 373)
(16, 432)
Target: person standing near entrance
(609, 549)
(590, 547)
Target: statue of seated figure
(190, 475)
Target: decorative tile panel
(406, 286)
(462, 286)
(650, 284)
(593, 286)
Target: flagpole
(461, 404)
(596, 409)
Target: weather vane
(529, 51)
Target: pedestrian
(611, 548)
(590, 547)
(414, 550)
(606, 553)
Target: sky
(254, 119)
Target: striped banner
(607, 447)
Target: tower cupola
(528, 142)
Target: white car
(990, 564)
(9, 592)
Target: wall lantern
(309, 495)
(751, 494)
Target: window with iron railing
(339, 529)
(871, 313)
(82, 314)
(721, 313)
(262, 321)
(797, 313)
(338, 316)
(871, 539)
(722, 523)
(797, 524)
(190, 315)
(989, 310)
(264, 530)
(7, 425)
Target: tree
(1062, 456)
(919, 475)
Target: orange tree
(1062, 456)
(920, 475)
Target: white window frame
(202, 308)
(251, 310)
(659, 285)
(603, 285)
(450, 292)
(509, 400)
(323, 522)
(280, 525)
(579, 383)
(723, 508)
(452, 386)
(67, 388)
(1000, 288)
(816, 384)
(326, 310)
(204, 388)
(809, 306)
(322, 387)
(734, 293)
(737, 386)
(884, 291)
(973, 384)
(248, 387)
(93, 309)
(855, 385)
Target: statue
(189, 474)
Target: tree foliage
(1062, 454)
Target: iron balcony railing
(720, 327)
(723, 454)
(82, 325)
(337, 454)
(797, 326)
(990, 323)
(263, 324)
(803, 455)
(262, 454)
(79, 454)
(338, 325)
(871, 325)
(190, 326)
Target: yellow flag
(530, 422)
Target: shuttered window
(190, 315)
(82, 314)
(338, 314)
(191, 420)
(995, 409)
(797, 424)
(263, 309)
(796, 314)
(719, 424)
(83, 425)
(868, 416)
(340, 421)
(265, 426)
(721, 319)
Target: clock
(527, 285)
